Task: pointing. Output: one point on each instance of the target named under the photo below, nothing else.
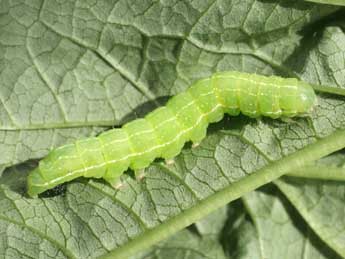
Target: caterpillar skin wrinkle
(164, 131)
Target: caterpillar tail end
(36, 184)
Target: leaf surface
(70, 69)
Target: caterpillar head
(307, 98)
(297, 99)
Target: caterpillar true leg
(139, 174)
(119, 185)
(169, 162)
(195, 145)
(115, 182)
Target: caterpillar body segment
(164, 131)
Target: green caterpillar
(164, 131)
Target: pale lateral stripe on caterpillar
(130, 155)
(163, 132)
(130, 136)
(252, 81)
(255, 82)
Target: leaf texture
(70, 69)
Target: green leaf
(70, 69)
(186, 244)
(321, 204)
(276, 222)
(328, 168)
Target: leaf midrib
(303, 157)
